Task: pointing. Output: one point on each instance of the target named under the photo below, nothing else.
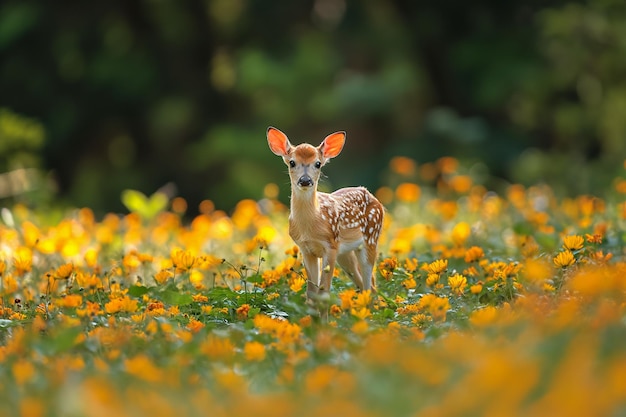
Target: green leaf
(176, 298)
(255, 279)
(138, 290)
(147, 208)
(253, 312)
(64, 339)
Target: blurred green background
(98, 97)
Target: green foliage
(135, 97)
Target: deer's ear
(278, 141)
(333, 144)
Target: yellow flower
(320, 378)
(537, 270)
(476, 288)
(362, 299)
(573, 242)
(70, 301)
(409, 283)
(254, 351)
(200, 298)
(23, 261)
(360, 327)
(410, 264)
(361, 313)
(23, 371)
(183, 260)
(142, 367)
(564, 259)
(438, 266)
(432, 280)
(420, 319)
(483, 316)
(457, 283)
(460, 233)
(162, 276)
(297, 283)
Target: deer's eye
(292, 163)
(318, 165)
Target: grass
(487, 304)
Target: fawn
(341, 227)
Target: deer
(342, 227)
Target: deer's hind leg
(349, 263)
(367, 258)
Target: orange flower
(64, 271)
(195, 325)
(484, 316)
(70, 301)
(23, 371)
(242, 311)
(217, 348)
(142, 367)
(473, 254)
(123, 304)
(403, 165)
(408, 192)
(595, 238)
(162, 276)
(254, 351)
(476, 288)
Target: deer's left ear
(333, 144)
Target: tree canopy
(114, 95)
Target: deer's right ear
(278, 141)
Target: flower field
(486, 304)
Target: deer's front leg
(328, 270)
(312, 266)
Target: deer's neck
(304, 204)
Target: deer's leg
(367, 258)
(349, 263)
(312, 266)
(328, 270)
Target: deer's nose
(305, 181)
